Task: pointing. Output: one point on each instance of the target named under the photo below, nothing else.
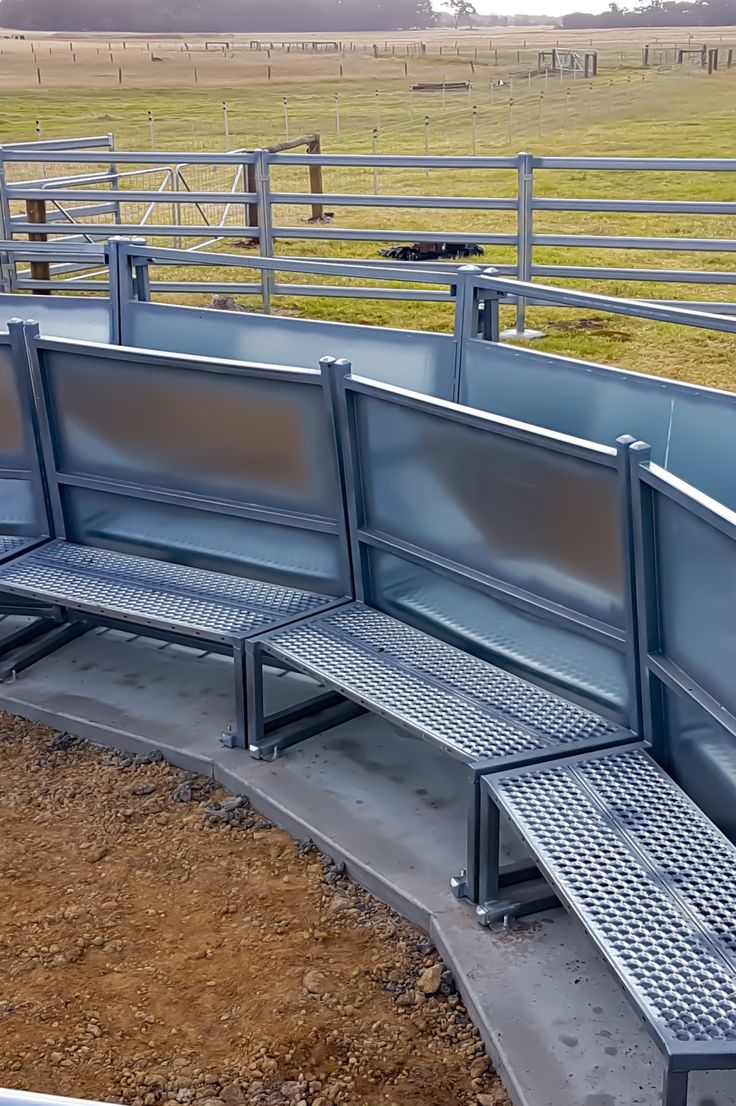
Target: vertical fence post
(226, 118)
(152, 125)
(115, 178)
(316, 180)
(142, 280)
(525, 200)
(467, 322)
(7, 263)
(475, 130)
(286, 116)
(263, 190)
(40, 270)
(251, 185)
(375, 167)
(337, 114)
(120, 286)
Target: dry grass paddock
(217, 61)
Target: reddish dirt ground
(161, 943)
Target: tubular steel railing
(79, 203)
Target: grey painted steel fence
(106, 187)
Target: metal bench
(637, 860)
(196, 500)
(649, 877)
(482, 653)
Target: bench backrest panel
(22, 503)
(505, 540)
(422, 361)
(691, 430)
(82, 317)
(686, 554)
(209, 463)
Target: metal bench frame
(83, 615)
(498, 903)
(267, 737)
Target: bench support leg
(236, 737)
(49, 638)
(268, 736)
(25, 634)
(509, 891)
(674, 1089)
(465, 884)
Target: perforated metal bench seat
(152, 593)
(11, 544)
(475, 711)
(162, 599)
(652, 880)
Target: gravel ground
(161, 944)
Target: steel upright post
(265, 225)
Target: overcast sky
(545, 7)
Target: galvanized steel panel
(696, 581)
(82, 317)
(572, 397)
(702, 758)
(17, 507)
(210, 464)
(13, 444)
(532, 646)
(423, 362)
(223, 435)
(204, 539)
(535, 518)
(691, 430)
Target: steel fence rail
(589, 301)
(257, 197)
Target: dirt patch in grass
(601, 327)
(160, 942)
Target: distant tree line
(237, 16)
(658, 13)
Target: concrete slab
(558, 1028)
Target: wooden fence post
(316, 184)
(36, 213)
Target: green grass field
(625, 112)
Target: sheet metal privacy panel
(210, 465)
(530, 644)
(691, 430)
(423, 362)
(696, 574)
(219, 542)
(22, 503)
(521, 531)
(702, 759)
(82, 317)
(686, 552)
